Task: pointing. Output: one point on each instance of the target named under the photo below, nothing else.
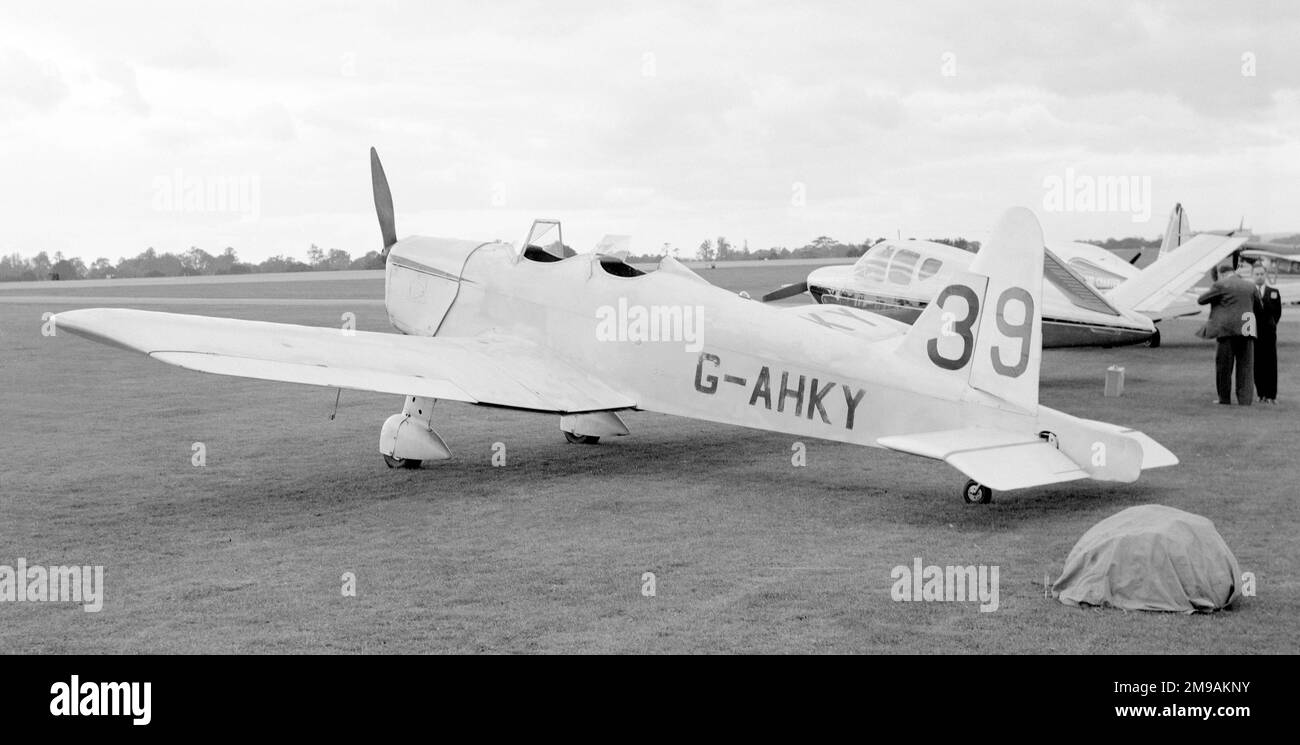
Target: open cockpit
(545, 244)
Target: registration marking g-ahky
(797, 395)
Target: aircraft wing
(1158, 288)
(496, 370)
(863, 325)
(998, 459)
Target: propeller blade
(782, 293)
(383, 201)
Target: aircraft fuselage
(824, 372)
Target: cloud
(122, 77)
(195, 52)
(672, 120)
(34, 83)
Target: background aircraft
(1283, 263)
(1282, 259)
(1092, 298)
(531, 330)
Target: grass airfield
(547, 553)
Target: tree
(723, 250)
(65, 269)
(280, 263)
(196, 261)
(961, 243)
(228, 263)
(705, 251)
(12, 268)
(102, 268)
(316, 257)
(40, 265)
(338, 259)
(372, 260)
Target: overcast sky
(126, 125)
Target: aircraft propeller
(383, 202)
(782, 293)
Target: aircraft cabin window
(873, 263)
(929, 268)
(900, 270)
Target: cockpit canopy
(545, 242)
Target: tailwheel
(976, 493)
(401, 462)
(581, 439)
(1154, 341)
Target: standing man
(1234, 306)
(1269, 314)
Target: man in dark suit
(1234, 307)
(1266, 343)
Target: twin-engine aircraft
(586, 337)
(1093, 298)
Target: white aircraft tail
(1177, 232)
(986, 327)
(986, 324)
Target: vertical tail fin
(1177, 232)
(986, 324)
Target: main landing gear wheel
(401, 462)
(581, 439)
(1154, 341)
(976, 493)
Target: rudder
(986, 323)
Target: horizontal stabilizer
(1159, 286)
(1154, 455)
(998, 459)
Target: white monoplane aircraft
(1093, 298)
(588, 336)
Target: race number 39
(964, 329)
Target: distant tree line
(191, 263)
(1127, 244)
(196, 261)
(821, 247)
(825, 247)
(1131, 249)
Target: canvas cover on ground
(1151, 557)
